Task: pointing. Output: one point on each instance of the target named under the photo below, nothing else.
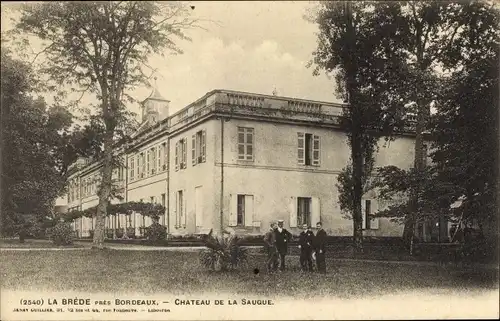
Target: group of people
(311, 247)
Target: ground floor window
(303, 211)
(180, 217)
(240, 216)
(242, 210)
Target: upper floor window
(152, 161)
(159, 159)
(198, 147)
(245, 143)
(143, 165)
(308, 150)
(132, 168)
(180, 154)
(120, 173)
(138, 166)
(164, 155)
(148, 162)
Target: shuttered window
(153, 160)
(165, 156)
(198, 147)
(143, 165)
(132, 168)
(308, 149)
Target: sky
(248, 46)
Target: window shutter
(293, 211)
(158, 166)
(316, 151)
(137, 166)
(148, 158)
(153, 160)
(176, 209)
(184, 209)
(249, 210)
(301, 148)
(193, 150)
(198, 204)
(176, 159)
(363, 214)
(203, 145)
(184, 152)
(165, 154)
(233, 211)
(315, 211)
(375, 221)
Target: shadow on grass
(180, 273)
(32, 244)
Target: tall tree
(434, 40)
(350, 46)
(103, 48)
(465, 129)
(34, 154)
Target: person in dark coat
(306, 239)
(270, 246)
(320, 247)
(283, 237)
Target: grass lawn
(152, 272)
(30, 243)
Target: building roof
(155, 94)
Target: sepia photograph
(237, 160)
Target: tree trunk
(357, 173)
(356, 131)
(419, 166)
(104, 191)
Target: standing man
(272, 252)
(282, 239)
(320, 246)
(306, 239)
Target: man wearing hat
(283, 237)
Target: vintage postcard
(249, 160)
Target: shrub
(224, 252)
(36, 230)
(62, 234)
(119, 233)
(130, 232)
(156, 232)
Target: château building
(239, 160)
